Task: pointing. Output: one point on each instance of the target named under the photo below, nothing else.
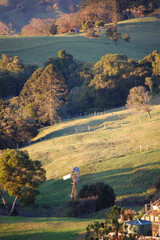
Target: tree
(43, 95)
(113, 218)
(20, 177)
(139, 98)
(51, 94)
(15, 126)
(126, 37)
(38, 26)
(28, 95)
(91, 33)
(97, 230)
(103, 192)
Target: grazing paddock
(144, 39)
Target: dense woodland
(33, 97)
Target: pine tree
(51, 94)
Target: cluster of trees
(113, 223)
(66, 87)
(40, 27)
(13, 75)
(6, 29)
(37, 105)
(89, 13)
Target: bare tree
(139, 98)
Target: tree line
(91, 13)
(33, 97)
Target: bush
(91, 33)
(103, 193)
(53, 29)
(126, 37)
(81, 207)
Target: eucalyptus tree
(20, 177)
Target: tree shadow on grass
(43, 234)
(127, 180)
(91, 126)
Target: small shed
(138, 227)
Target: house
(152, 212)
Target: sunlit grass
(122, 149)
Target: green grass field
(111, 154)
(17, 228)
(122, 149)
(144, 39)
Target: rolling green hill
(120, 147)
(144, 39)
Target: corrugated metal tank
(138, 227)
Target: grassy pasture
(122, 149)
(17, 228)
(144, 39)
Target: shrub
(81, 207)
(91, 33)
(53, 29)
(126, 37)
(103, 193)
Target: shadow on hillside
(124, 181)
(89, 127)
(45, 232)
(127, 180)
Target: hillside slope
(19, 13)
(121, 148)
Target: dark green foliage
(100, 230)
(113, 218)
(81, 207)
(15, 127)
(112, 33)
(67, 67)
(13, 75)
(103, 192)
(97, 230)
(20, 176)
(53, 29)
(124, 4)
